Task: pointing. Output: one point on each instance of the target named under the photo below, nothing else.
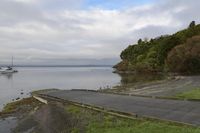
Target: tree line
(164, 53)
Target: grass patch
(119, 125)
(73, 109)
(97, 122)
(193, 94)
(14, 106)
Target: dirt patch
(17, 111)
(33, 117)
(53, 118)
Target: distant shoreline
(60, 65)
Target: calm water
(35, 78)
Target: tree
(152, 54)
(192, 24)
(139, 41)
(166, 45)
(185, 58)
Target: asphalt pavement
(173, 110)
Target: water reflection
(8, 75)
(6, 125)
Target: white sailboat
(8, 69)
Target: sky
(85, 32)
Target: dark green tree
(140, 41)
(152, 54)
(192, 24)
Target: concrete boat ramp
(187, 112)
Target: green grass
(96, 122)
(193, 94)
(73, 109)
(117, 125)
(12, 107)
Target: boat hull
(8, 69)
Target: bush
(185, 58)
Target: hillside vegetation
(179, 53)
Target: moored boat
(5, 70)
(8, 69)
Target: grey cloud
(60, 31)
(12, 12)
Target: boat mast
(12, 61)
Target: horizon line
(88, 65)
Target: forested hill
(179, 53)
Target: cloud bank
(73, 32)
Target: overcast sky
(85, 31)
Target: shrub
(185, 58)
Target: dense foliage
(185, 58)
(151, 56)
